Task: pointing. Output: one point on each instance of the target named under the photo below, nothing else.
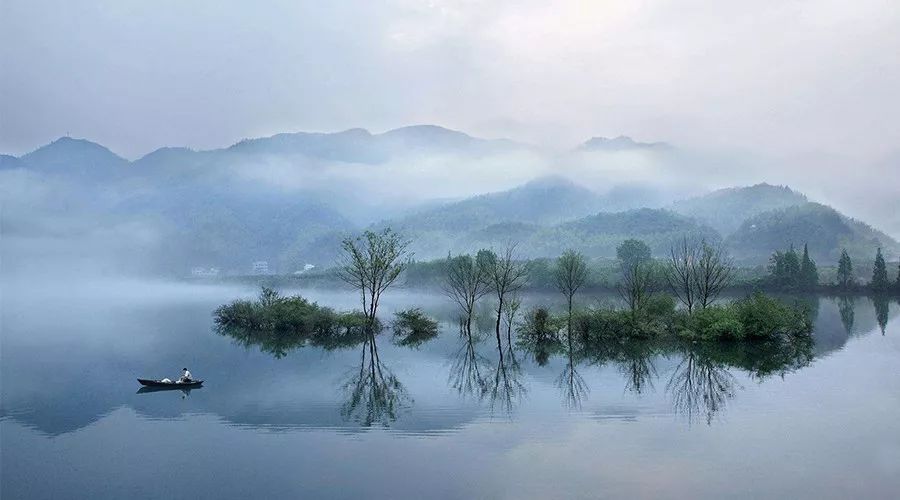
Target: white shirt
(186, 374)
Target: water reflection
(700, 386)
(571, 384)
(468, 367)
(882, 304)
(846, 309)
(374, 395)
(303, 382)
(184, 392)
(506, 388)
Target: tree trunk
(499, 315)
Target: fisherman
(185, 376)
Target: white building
(306, 269)
(203, 272)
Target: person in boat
(185, 376)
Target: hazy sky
(782, 77)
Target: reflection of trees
(636, 364)
(845, 307)
(468, 367)
(882, 306)
(279, 343)
(374, 394)
(632, 357)
(572, 385)
(506, 388)
(700, 386)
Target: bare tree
(697, 272)
(638, 283)
(465, 282)
(371, 263)
(505, 276)
(571, 273)
(513, 303)
(683, 258)
(712, 273)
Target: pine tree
(879, 274)
(897, 283)
(845, 270)
(809, 273)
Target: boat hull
(169, 385)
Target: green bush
(412, 327)
(755, 317)
(712, 323)
(606, 322)
(765, 317)
(278, 324)
(540, 326)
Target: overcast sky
(783, 77)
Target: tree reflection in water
(846, 309)
(882, 306)
(468, 367)
(635, 363)
(506, 388)
(571, 384)
(700, 386)
(374, 395)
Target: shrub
(279, 324)
(765, 317)
(755, 317)
(412, 327)
(606, 322)
(540, 326)
(712, 323)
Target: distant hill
(360, 146)
(621, 143)
(596, 235)
(8, 162)
(76, 157)
(542, 201)
(599, 235)
(823, 228)
(726, 209)
(291, 198)
(229, 229)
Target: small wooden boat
(170, 385)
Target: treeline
(791, 271)
(695, 273)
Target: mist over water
(181, 184)
(83, 409)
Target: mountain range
(291, 198)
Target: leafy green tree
(632, 251)
(897, 283)
(879, 281)
(809, 274)
(784, 268)
(845, 270)
(371, 263)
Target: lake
(443, 419)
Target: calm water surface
(445, 419)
